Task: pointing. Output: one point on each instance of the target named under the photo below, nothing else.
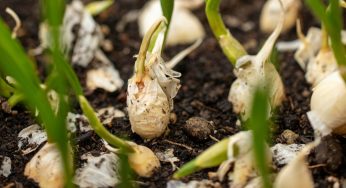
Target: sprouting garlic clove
(321, 66)
(151, 92)
(328, 105)
(296, 173)
(143, 161)
(240, 155)
(254, 71)
(148, 108)
(309, 46)
(270, 15)
(185, 27)
(46, 167)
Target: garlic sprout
(46, 167)
(328, 105)
(270, 15)
(252, 71)
(185, 27)
(152, 89)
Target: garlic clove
(185, 27)
(328, 105)
(309, 46)
(143, 161)
(148, 108)
(98, 171)
(320, 66)
(296, 173)
(150, 99)
(46, 167)
(252, 71)
(270, 15)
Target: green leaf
(259, 124)
(229, 45)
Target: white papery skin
(270, 15)
(185, 27)
(321, 66)
(150, 102)
(254, 71)
(328, 105)
(46, 168)
(296, 173)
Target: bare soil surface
(206, 79)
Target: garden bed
(206, 78)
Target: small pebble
(289, 136)
(198, 128)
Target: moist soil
(206, 78)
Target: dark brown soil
(206, 79)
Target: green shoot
(229, 45)
(5, 89)
(211, 157)
(100, 129)
(16, 64)
(96, 7)
(331, 18)
(147, 39)
(167, 7)
(260, 127)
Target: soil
(206, 79)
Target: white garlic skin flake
(270, 15)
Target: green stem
(211, 157)
(5, 89)
(15, 99)
(140, 62)
(100, 129)
(187, 169)
(230, 46)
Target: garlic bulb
(270, 15)
(185, 27)
(151, 91)
(46, 167)
(320, 66)
(328, 105)
(252, 71)
(240, 154)
(143, 161)
(296, 173)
